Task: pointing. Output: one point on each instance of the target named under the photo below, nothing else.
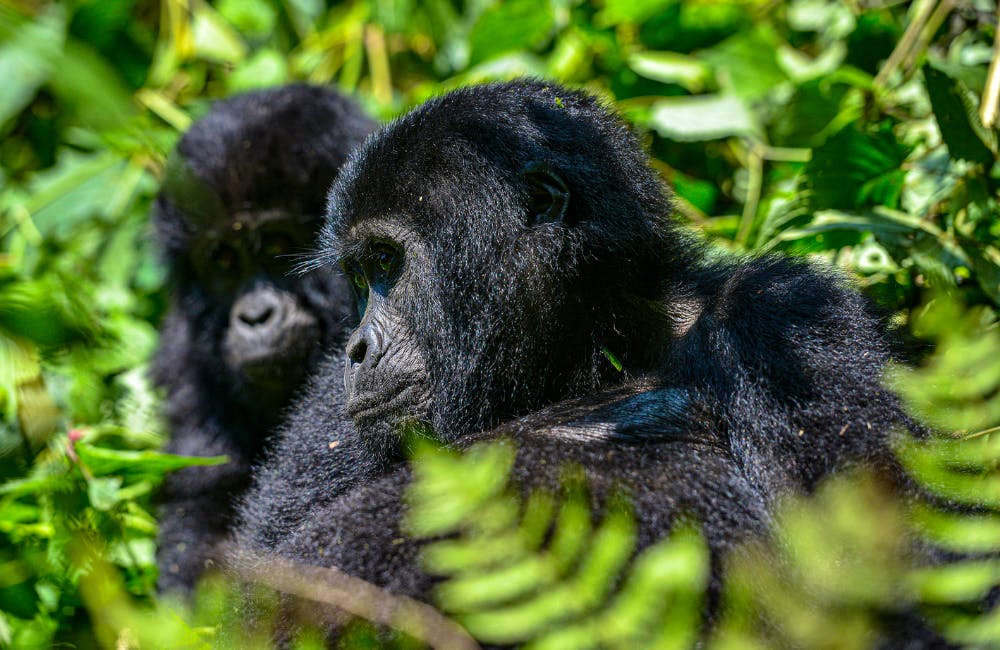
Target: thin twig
(334, 587)
(989, 106)
(980, 434)
(902, 51)
(755, 185)
(934, 23)
(378, 64)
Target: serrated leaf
(857, 168)
(104, 492)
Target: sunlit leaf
(703, 117)
(670, 67)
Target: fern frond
(538, 570)
(958, 388)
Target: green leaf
(959, 532)
(957, 583)
(28, 50)
(513, 25)
(104, 492)
(214, 38)
(67, 195)
(885, 224)
(255, 18)
(265, 68)
(956, 111)
(549, 579)
(703, 117)
(89, 85)
(747, 64)
(986, 264)
(810, 113)
(103, 462)
(857, 168)
(631, 11)
(670, 67)
(448, 489)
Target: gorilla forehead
(460, 156)
(267, 148)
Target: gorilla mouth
(274, 369)
(372, 405)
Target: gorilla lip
(372, 405)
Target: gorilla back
(243, 194)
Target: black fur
(270, 153)
(524, 243)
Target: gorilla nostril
(256, 315)
(357, 349)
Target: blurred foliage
(845, 129)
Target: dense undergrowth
(854, 131)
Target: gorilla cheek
(270, 338)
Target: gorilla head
(242, 197)
(519, 240)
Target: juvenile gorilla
(518, 273)
(243, 195)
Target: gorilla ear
(548, 196)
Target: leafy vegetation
(855, 131)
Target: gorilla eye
(225, 257)
(386, 261)
(359, 280)
(386, 258)
(275, 244)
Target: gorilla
(519, 278)
(243, 194)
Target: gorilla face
(242, 197)
(492, 263)
(270, 330)
(385, 375)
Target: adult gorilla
(516, 268)
(244, 192)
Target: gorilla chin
(270, 339)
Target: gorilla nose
(256, 315)
(365, 344)
(258, 309)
